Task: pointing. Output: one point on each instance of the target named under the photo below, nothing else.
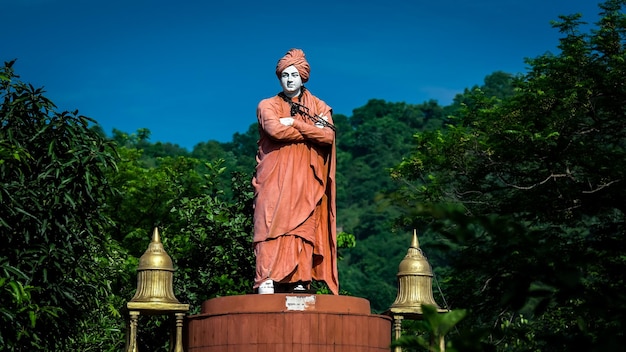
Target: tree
(212, 242)
(528, 188)
(146, 193)
(377, 137)
(52, 192)
(244, 147)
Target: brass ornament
(155, 274)
(414, 283)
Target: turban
(294, 57)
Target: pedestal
(287, 323)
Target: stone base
(287, 323)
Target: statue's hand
(319, 124)
(287, 121)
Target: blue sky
(193, 71)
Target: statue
(295, 236)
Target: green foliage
(244, 148)
(369, 269)
(238, 156)
(150, 151)
(18, 308)
(345, 240)
(52, 192)
(103, 329)
(433, 329)
(212, 244)
(374, 139)
(146, 194)
(525, 190)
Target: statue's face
(291, 81)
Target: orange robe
(295, 236)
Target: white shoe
(299, 287)
(266, 287)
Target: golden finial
(155, 274)
(414, 282)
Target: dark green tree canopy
(52, 193)
(535, 181)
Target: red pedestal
(287, 323)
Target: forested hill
(516, 189)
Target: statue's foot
(291, 287)
(266, 287)
(300, 287)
